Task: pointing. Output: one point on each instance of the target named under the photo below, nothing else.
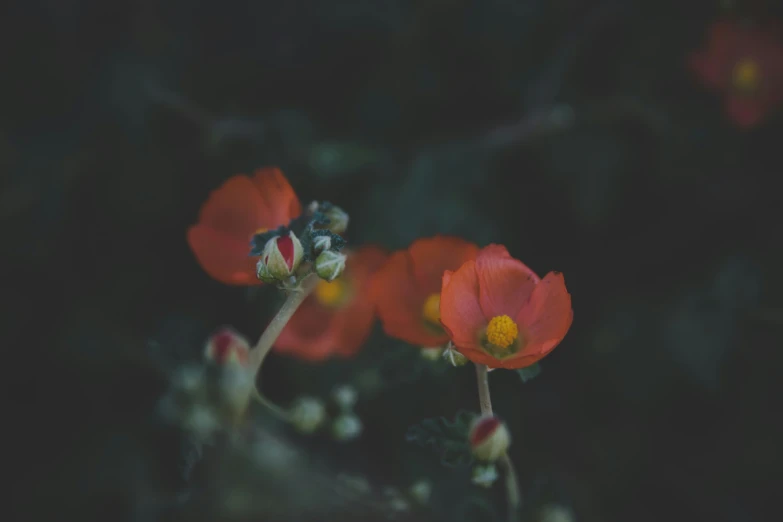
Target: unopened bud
(489, 438)
(308, 414)
(396, 501)
(321, 243)
(227, 347)
(421, 490)
(338, 219)
(454, 357)
(345, 396)
(329, 265)
(346, 427)
(431, 353)
(280, 258)
(262, 273)
(555, 513)
(484, 475)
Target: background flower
(233, 213)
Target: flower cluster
(492, 308)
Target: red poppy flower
(338, 317)
(240, 208)
(745, 63)
(499, 313)
(406, 289)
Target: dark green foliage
(530, 372)
(449, 438)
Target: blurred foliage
(570, 131)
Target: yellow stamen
(431, 309)
(330, 294)
(502, 331)
(746, 75)
(260, 231)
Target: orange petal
(460, 311)
(547, 316)
(400, 300)
(222, 256)
(280, 202)
(309, 335)
(236, 209)
(505, 283)
(433, 256)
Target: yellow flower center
(330, 294)
(502, 331)
(746, 75)
(431, 309)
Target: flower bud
(484, 475)
(281, 257)
(321, 243)
(431, 353)
(329, 265)
(489, 438)
(262, 272)
(227, 347)
(454, 357)
(421, 490)
(346, 427)
(308, 414)
(338, 219)
(345, 396)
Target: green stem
(512, 483)
(259, 352)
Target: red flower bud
(489, 438)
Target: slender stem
(272, 332)
(512, 483)
(485, 401)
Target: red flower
(499, 313)
(406, 289)
(338, 317)
(746, 65)
(240, 208)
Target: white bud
(321, 243)
(346, 427)
(345, 396)
(484, 475)
(330, 265)
(308, 414)
(489, 438)
(338, 219)
(421, 490)
(281, 257)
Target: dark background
(570, 131)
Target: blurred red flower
(745, 64)
(338, 317)
(240, 208)
(498, 312)
(406, 290)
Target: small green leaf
(529, 372)
(449, 438)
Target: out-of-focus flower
(280, 258)
(407, 288)
(338, 317)
(499, 313)
(745, 64)
(489, 438)
(345, 396)
(346, 426)
(308, 414)
(240, 208)
(421, 490)
(227, 347)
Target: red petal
(224, 257)
(460, 311)
(235, 209)
(280, 202)
(546, 318)
(433, 256)
(400, 301)
(286, 246)
(505, 283)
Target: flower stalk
(512, 483)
